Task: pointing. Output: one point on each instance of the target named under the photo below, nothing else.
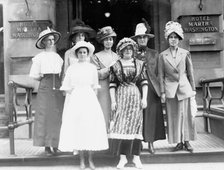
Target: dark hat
(104, 33)
(46, 33)
(79, 26)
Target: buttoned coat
(176, 74)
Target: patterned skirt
(128, 118)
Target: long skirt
(104, 100)
(48, 115)
(128, 118)
(181, 123)
(153, 120)
(83, 125)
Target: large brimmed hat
(104, 33)
(142, 29)
(124, 43)
(173, 26)
(85, 44)
(46, 33)
(79, 26)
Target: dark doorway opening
(1, 52)
(122, 15)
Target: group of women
(113, 99)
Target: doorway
(121, 15)
(1, 52)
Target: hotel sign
(27, 29)
(200, 23)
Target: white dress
(83, 126)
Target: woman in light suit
(177, 88)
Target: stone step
(207, 148)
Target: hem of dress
(82, 149)
(125, 136)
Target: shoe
(82, 166)
(123, 161)
(91, 165)
(56, 151)
(137, 162)
(188, 147)
(178, 147)
(151, 148)
(48, 151)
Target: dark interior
(122, 15)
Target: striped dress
(128, 118)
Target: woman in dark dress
(153, 120)
(46, 68)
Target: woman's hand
(113, 106)
(163, 97)
(106, 70)
(143, 103)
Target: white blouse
(46, 63)
(80, 75)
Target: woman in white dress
(82, 113)
(103, 60)
(46, 68)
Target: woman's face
(49, 41)
(79, 37)
(82, 54)
(142, 40)
(128, 52)
(108, 42)
(173, 40)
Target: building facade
(22, 20)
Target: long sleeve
(113, 79)
(66, 63)
(103, 72)
(161, 73)
(66, 84)
(190, 71)
(95, 81)
(143, 77)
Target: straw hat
(85, 44)
(124, 43)
(142, 29)
(104, 33)
(78, 27)
(46, 33)
(173, 26)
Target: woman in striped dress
(126, 77)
